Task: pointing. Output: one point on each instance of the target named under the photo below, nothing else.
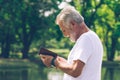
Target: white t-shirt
(88, 48)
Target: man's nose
(66, 35)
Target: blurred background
(27, 25)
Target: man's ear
(72, 22)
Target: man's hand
(46, 59)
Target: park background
(26, 25)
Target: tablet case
(45, 51)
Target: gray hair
(69, 13)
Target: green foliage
(117, 30)
(29, 24)
(25, 22)
(102, 16)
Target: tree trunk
(113, 48)
(25, 52)
(6, 47)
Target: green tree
(24, 22)
(114, 28)
(6, 30)
(102, 16)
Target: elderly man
(85, 58)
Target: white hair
(69, 13)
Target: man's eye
(63, 30)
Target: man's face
(68, 32)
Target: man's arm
(73, 69)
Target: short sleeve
(83, 49)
